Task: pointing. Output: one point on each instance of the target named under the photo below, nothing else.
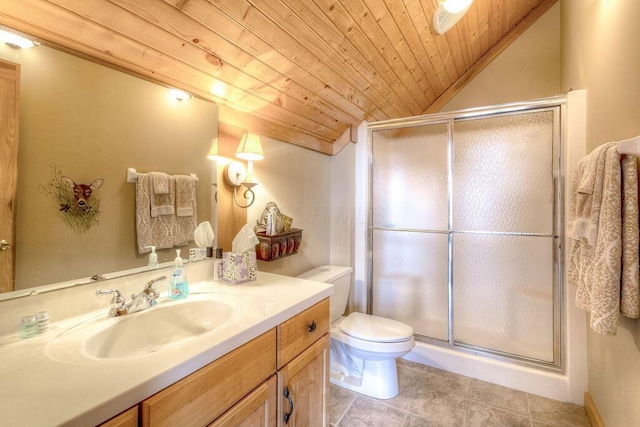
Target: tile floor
(432, 397)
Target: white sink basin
(155, 329)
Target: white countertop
(38, 391)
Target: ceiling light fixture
(16, 41)
(455, 6)
(179, 95)
(448, 13)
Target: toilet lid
(374, 328)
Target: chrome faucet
(117, 302)
(145, 299)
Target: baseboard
(592, 411)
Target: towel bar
(629, 146)
(132, 175)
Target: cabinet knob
(312, 326)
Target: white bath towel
(164, 204)
(151, 231)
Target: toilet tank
(340, 278)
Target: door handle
(288, 396)
(4, 245)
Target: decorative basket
(278, 246)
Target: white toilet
(364, 348)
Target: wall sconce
(235, 174)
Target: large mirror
(89, 122)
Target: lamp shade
(250, 148)
(213, 151)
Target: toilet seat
(375, 329)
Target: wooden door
(303, 388)
(9, 107)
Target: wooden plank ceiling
(302, 71)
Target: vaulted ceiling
(302, 71)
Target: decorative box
(278, 246)
(239, 267)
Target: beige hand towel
(186, 209)
(185, 195)
(150, 231)
(160, 183)
(164, 204)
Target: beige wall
(96, 122)
(601, 53)
(298, 181)
(528, 69)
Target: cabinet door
(203, 396)
(303, 388)
(128, 418)
(257, 409)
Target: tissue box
(239, 267)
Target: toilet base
(379, 379)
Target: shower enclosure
(465, 215)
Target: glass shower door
(503, 234)
(410, 227)
(463, 224)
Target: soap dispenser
(153, 258)
(178, 286)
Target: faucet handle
(117, 302)
(149, 284)
(152, 293)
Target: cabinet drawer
(257, 409)
(302, 330)
(204, 395)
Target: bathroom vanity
(266, 357)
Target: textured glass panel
(410, 178)
(503, 293)
(410, 280)
(502, 174)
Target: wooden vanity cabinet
(201, 397)
(246, 387)
(303, 368)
